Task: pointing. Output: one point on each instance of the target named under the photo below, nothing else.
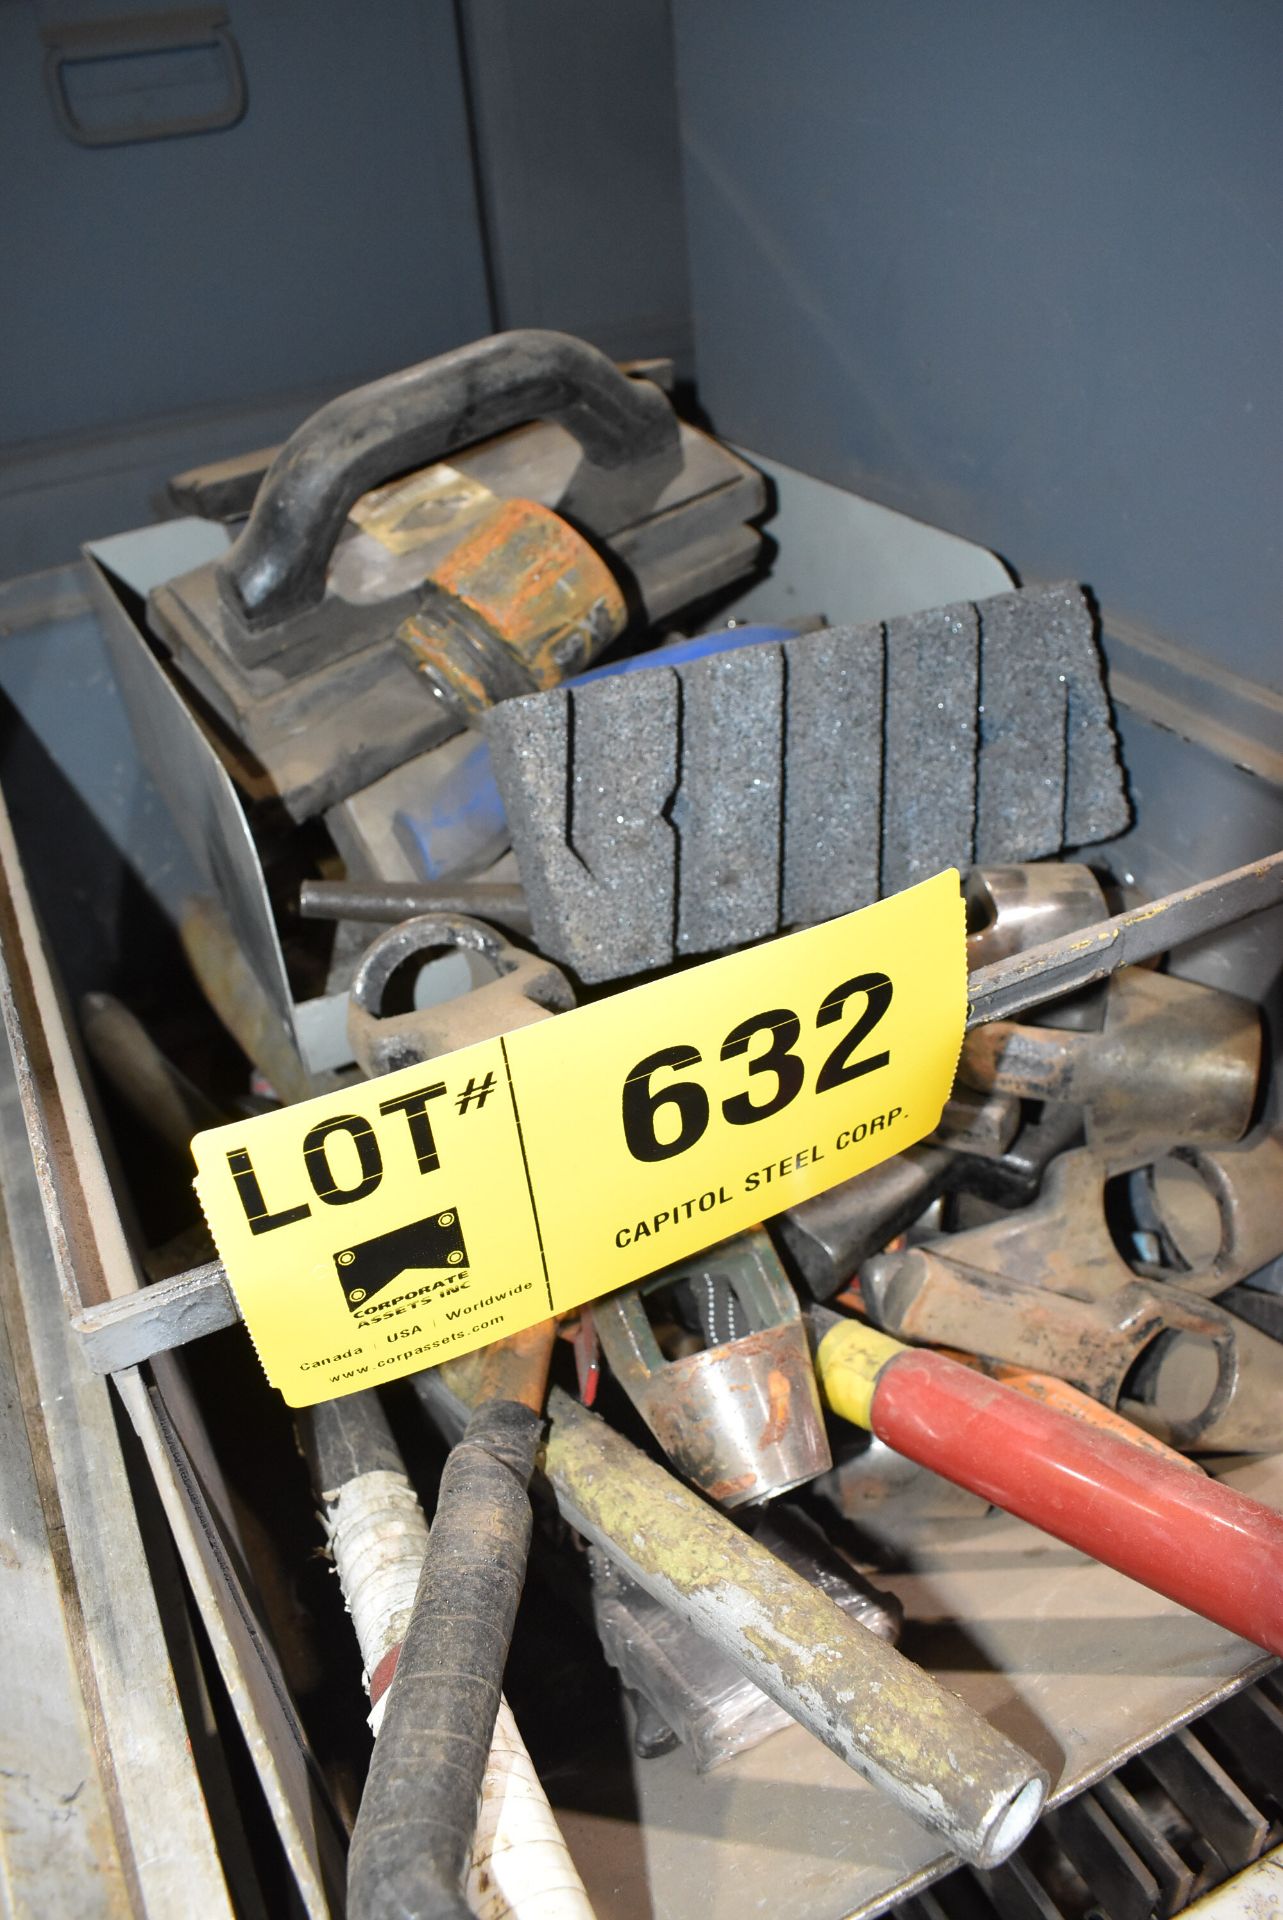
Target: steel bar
(384, 902)
(1008, 987)
(134, 1326)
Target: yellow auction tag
(378, 1230)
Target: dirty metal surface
(1092, 1343)
(741, 1421)
(101, 1806)
(54, 1811)
(525, 988)
(1045, 1287)
(1077, 1663)
(188, 773)
(50, 1157)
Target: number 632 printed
(684, 1105)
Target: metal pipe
(385, 902)
(904, 1732)
(1182, 1534)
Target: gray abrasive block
(1043, 640)
(1096, 804)
(1024, 712)
(929, 744)
(832, 772)
(727, 810)
(587, 777)
(688, 810)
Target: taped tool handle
(626, 429)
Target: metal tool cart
(518, 678)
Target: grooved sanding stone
(587, 776)
(727, 811)
(929, 744)
(1043, 693)
(1024, 715)
(1096, 804)
(832, 772)
(690, 810)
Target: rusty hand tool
(1214, 1212)
(1214, 1550)
(978, 1123)
(1046, 1287)
(741, 1418)
(827, 1236)
(1174, 1063)
(980, 1144)
(1185, 1368)
(493, 575)
(525, 989)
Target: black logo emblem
(369, 1266)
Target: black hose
(414, 1832)
(344, 1439)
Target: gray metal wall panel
(580, 163)
(1014, 268)
(331, 235)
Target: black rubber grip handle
(626, 428)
